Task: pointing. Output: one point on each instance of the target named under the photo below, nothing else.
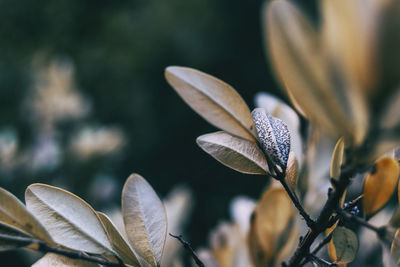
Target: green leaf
(118, 243)
(14, 213)
(70, 220)
(11, 231)
(214, 100)
(50, 260)
(274, 136)
(345, 245)
(144, 218)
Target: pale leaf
(118, 243)
(292, 171)
(14, 213)
(274, 136)
(380, 185)
(69, 219)
(237, 153)
(55, 260)
(144, 218)
(214, 100)
(345, 245)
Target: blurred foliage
(116, 52)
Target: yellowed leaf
(304, 71)
(337, 159)
(234, 152)
(118, 242)
(273, 223)
(380, 185)
(144, 218)
(14, 213)
(395, 247)
(216, 101)
(292, 171)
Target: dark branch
(323, 220)
(45, 248)
(380, 231)
(189, 248)
(310, 223)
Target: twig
(310, 222)
(380, 231)
(322, 244)
(189, 248)
(322, 222)
(45, 248)
(322, 261)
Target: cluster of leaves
(331, 83)
(62, 224)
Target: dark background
(119, 50)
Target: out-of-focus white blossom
(54, 98)
(92, 141)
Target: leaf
(292, 171)
(234, 152)
(272, 226)
(345, 245)
(118, 243)
(54, 260)
(304, 72)
(279, 109)
(70, 220)
(337, 159)
(214, 100)
(395, 247)
(11, 231)
(380, 185)
(14, 213)
(144, 218)
(274, 136)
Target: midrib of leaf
(145, 219)
(73, 226)
(217, 103)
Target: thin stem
(45, 248)
(310, 222)
(322, 244)
(322, 222)
(189, 248)
(322, 261)
(380, 231)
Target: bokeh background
(84, 102)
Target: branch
(322, 222)
(189, 248)
(45, 248)
(380, 231)
(310, 222)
